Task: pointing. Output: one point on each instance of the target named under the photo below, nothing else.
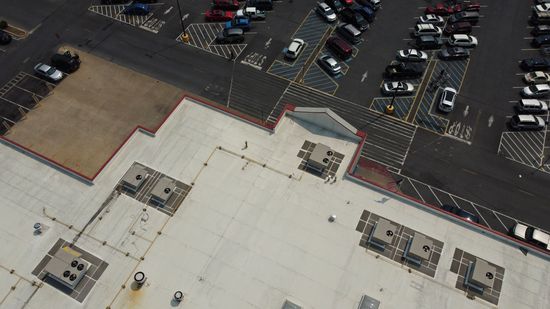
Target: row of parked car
(60, 64)
(538, 81)
(428, 32)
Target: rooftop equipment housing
(382, 234)
(67, 267)
(320, 157)
(134, 178)
(163, 190)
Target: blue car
(365, 11)
(239, 22)
(137, 9)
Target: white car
(462, 40)
(532, 235)
(48, 72)
(431, 19)
(447, 101)
(537, 77)
(412, 55)
(545, 7)
(397, 88)
(536, 91)
(326, 12)
(427, 29)
(295, 48)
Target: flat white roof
(251, 233)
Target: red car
(441, 9)
(230, 5)
(218, 15)
(347, 2)
(471, 7)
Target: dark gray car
(230, 35)
(329, 64)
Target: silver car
(536, 91)
(537, 77)
(48, 72)
(447, 101)
(326, 12)
(412, 55)
(329, 64)
(431, 19)
(294, 49)
(397, 88)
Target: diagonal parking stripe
(402, 105)
(523, 147)
(203, 35)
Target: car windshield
(533, 88)
(50, 71)
(529, 232)
(329, 11)
(449, 96)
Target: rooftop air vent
(67, 267)
(163, 190)
(320, 157)
(382, 233)
(134, 177)
(418, 248)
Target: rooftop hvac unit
(320, 157)
(134, 177)
(418, 248)
(382, 233)
(163, 190)
(290, 305)
(67, 267)
(480, 275)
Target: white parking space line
(482, 218)
(529, 49)
(496, 216)
(415, 189)
(437, 198)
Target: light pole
(184, 35)
(389, 108)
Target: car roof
(543, 86)
(541, 236)
(324, 6)
(526, 118)
(425, 26)
(460, 36)
(235, 31)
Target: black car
(66, 62)
(534, 64)
(230, 35)
(453, 53)
(5, 38)
(540, 30)
(461, 213)
(541, 40)
(336, 5)
(402, 70)
(350, 16)
(368, 3)
(428, 42)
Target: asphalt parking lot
(469, 153)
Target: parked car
(462, 27)
(426, 29)
(403, 70)
(527, 122)
(537, 77)
(447, 100)
(350, 33)
(365, 11)
(5, 38)
(468, 7)
(329, 64)
(412, 55)
(376, 4)
(543, 7)
(531, 64)
(336, 5)
(531, 235)
(461, 213)
(540, 18)
(251, 13)
(357, 20)
(541, 40)
(428, 42)
(462, 40)
(137, 9)
(295, 48)
(230, 36)
(218, 15)
(239, 22)
(371, 4)
(347, 2)
(325, 12)
(453, 53)
(397, 88)
(536, 91)
(433, 19)
(471, 17)
(540, 30)
(66, 62)
(531, 106)
(339, 47)
(262, 5)
(440, 9)
(228, 5)
(48, 72)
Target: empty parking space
(317, 78)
